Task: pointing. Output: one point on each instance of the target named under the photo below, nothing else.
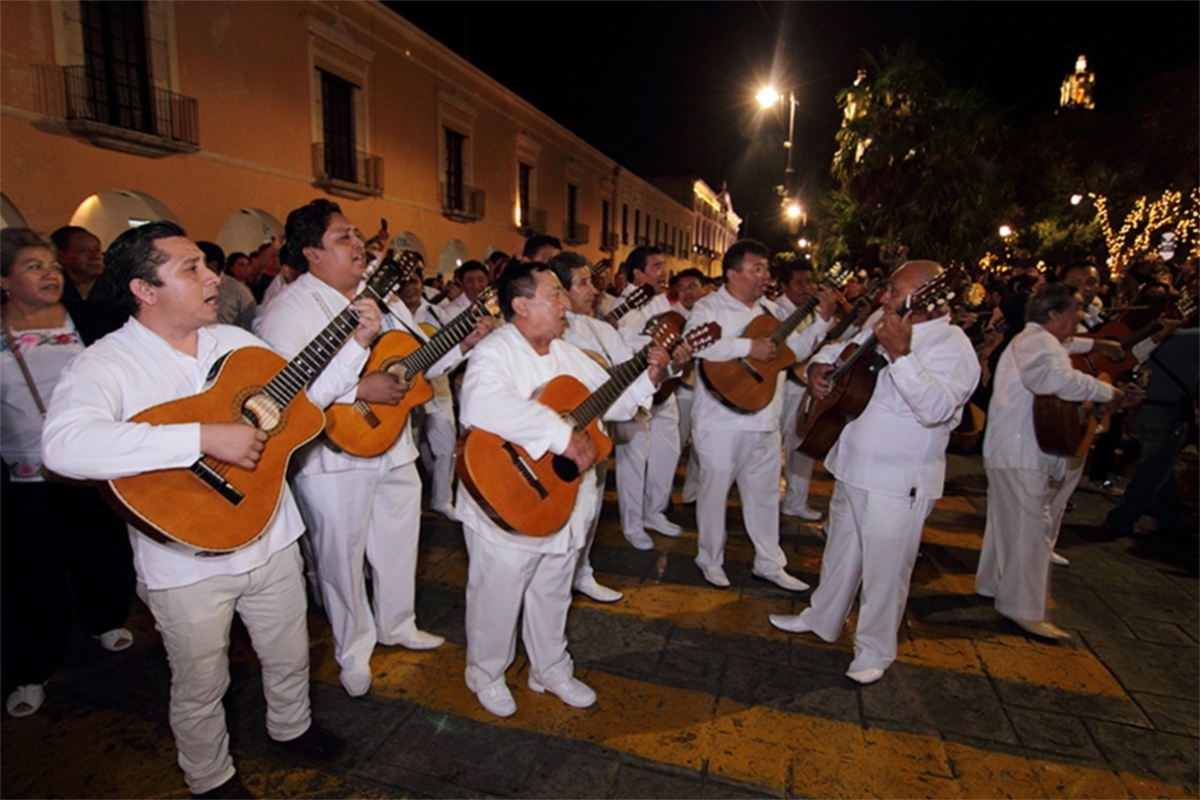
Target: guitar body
(1068, 427)
(175, 504)
(747, 384)
(1095, 364)
(368, 429)
(538, 497)
(826, 418)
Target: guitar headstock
(639, 296)
(838, 275)
(937, 292)
(703, 336)
(392, 272)
(488, 302)
(666, 329)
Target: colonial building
(715, 226)
(225, 115)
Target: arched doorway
(410, 241)
(453, 255)
(10, 216)
(246, 229)
(111, 213)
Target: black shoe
(316, 744)
(233, 789)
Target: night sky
(668, 88)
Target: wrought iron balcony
(130, 117)
(462, 203)
(343, 172)
(533, 222)
(575, 233)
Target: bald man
(890, 465)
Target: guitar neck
(442, 342)
(633, 302)
(802, 312)
(599, 401)
(864, 349)
(1140, 335)
(841, 327)
(315, 356)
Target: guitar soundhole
(565, 468)
(255, 408)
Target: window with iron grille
(604, 224)
(572, 206)
(624, 223)
(114, 46)
(524, 179)
(337, 120)
(455, 144)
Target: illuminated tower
(1077, 87)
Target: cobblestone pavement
(699, 696)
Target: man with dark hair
(496, 262)
(1024, 481)
(355, 508)
(235, 303)
(739, 447)
(647, 449)
(472, 276)
(166, 351)
(82, 259)
(689, 288)
(541, 248)
(513, 578)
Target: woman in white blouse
(58, 541)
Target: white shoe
(26, 700)
(784, 581)
(446, 511)
(789, 622)
(498, 700)
(116, 640)
(1043, 629)
(803, 512)
(640, 540)
(572, 691)
(418, 640)
(356, 684)
(865, 676)
(716, 576)
(660, 523)
(1057, 560)
(601, 594)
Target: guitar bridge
(367, 414)
(524, 470)
(216, 482)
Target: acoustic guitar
(746, 384)
(635, 300)
(536, 497)
(216, 507)
(1096, 364)
(1068, 427)
(368, 429)
(852, 382)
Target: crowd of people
(93, 339)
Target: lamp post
(768, 97)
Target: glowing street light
(1005, 231)
(1076, 199)
(767, 97)
(793, 210)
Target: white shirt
(897, 446)
(630, 326)
(86, 436)
(1034, 363)
(504, 374)
(596, 336)
(708, 413)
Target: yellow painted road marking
(752, 744)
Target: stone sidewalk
(699, 696)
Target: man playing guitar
(890, 467)
(737, 446)
(164, 352)
(510, 575)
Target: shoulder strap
(12, 345)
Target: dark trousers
(1163, 433)
(64, 557)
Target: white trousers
(1014, 562)
(691, 479)
(441, 435)
(873, 542)
(797, 467)
(1062, 495)
(584, 569)
(647, 456)
(371, 514)
(194, 623)
(505, 585)
(750, 459)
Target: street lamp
(768, 97)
